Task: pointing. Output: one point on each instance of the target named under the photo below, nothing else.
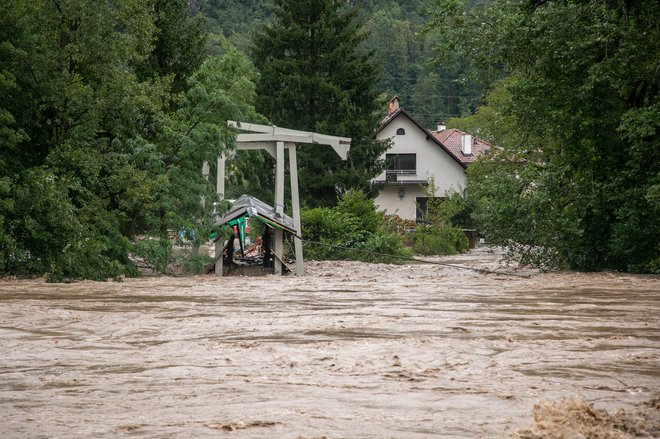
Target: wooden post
(295, 206)
(205, 174)
(278, 246)
(220, 178)
(220, 190)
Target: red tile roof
(451, 139)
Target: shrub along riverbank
(355, 230)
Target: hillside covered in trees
(433, 89)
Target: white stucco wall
(432, 162)
(388, 200)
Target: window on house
(400, 164)
(423, 204)
(400, 132)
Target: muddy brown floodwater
(349, 350)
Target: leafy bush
(357, 203)
(323, 227)
(330, 225)
(157, 253)
(439, 239)
(353, 225)
(387, 243)
(195, 264)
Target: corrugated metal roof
(247, 205)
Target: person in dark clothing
(268, 257)
(229, 255)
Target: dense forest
(108, 110)
(432, 88)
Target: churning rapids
(349, 350)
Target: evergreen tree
(178, 47)
(314, 78)
(396, 32)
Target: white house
(421, 163)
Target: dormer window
(400, 132)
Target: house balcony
(405, 177)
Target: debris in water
(575, 418)
(233, 426)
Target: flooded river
(349, 350)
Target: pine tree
(314, 77)
(178, 47)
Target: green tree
(94, 153)
(235, 19)
(315, 78)
(71, 93)
(395, 32)
(576, 181)
(178, 45)
(222, 89)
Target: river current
(348, 350)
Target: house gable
(435, 165)
(419, 166)
(396, 119)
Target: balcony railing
(407, 176)
(394, 175)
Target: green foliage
(433, 88)
(107, 112)
(456, 209)
(386, 247)
(196, 132)
(577, 117)
(331, 226)
(178, 45)
(195, 264)
(235, 19)
(521, 209)
(352, 224)
(439, 239)
(314, 77)
(441, 233)
(157, 253)
(491, 122)
(45, 233)
(361, 206)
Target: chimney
(442, 126)
(393, 105)
(466, 144)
